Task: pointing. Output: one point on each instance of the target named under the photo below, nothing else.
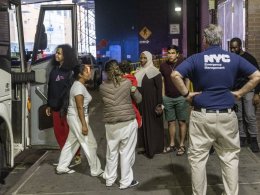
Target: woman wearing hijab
(149, 82)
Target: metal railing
(156, 62)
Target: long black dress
(151, 134)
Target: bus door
(6, 133)
(56, 25)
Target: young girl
(126, 68)
(63, 62)
(78, 120)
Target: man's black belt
(227, 110)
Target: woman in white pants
(121, 125)
(80, 131)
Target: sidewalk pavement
(165, 174)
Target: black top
(59, 82)
(241, 81)
(166, 70)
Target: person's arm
(256, 98)
(187, 83)
(136, 95)
(79, 103)
(158, 85)
(177, 79)
(254, 79)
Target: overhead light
(177, 9)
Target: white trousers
(74, 141)
(121, 139)
(221, 131)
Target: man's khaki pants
(221, 131)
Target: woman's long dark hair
(70, 58)
(78, 69)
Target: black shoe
(242, 141)
(141, 152)
(254, 145)
(133, 184)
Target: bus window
(56, 30)
(14, 39)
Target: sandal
(181, 150)
(169, 149)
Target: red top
(137, 113)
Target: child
(126, 68)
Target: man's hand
(236, 94)
(191, 95)
(256, 99)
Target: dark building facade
(126, 28)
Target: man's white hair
(213, 34)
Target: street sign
(145, 33)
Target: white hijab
(148, 69)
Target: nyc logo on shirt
(58, 78)
(215, 61)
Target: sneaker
(109, 185)
(66, 171)
(55, 164)
(99, 175)
(254, 145)
(77, 161)
(133, 184)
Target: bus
(24, 70)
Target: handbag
(44, 121)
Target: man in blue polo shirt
(213, 121)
